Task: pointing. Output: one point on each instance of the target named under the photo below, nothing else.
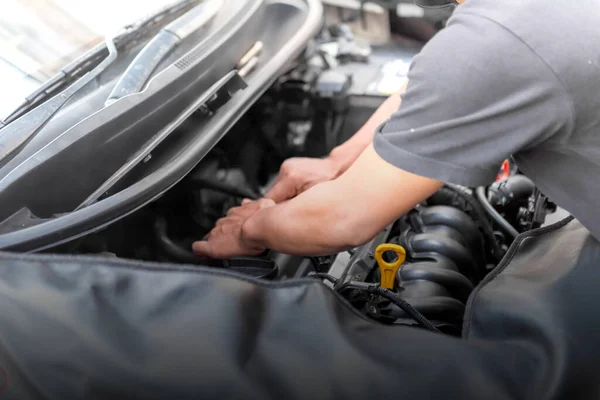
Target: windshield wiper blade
(129, 36)
(67, 74)
(18, 133)
(31, 116)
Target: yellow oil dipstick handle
(388, 270)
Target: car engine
(451, 241)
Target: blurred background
(39, 37)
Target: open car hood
(135, 146)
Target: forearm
(340, 214)
(309, 224)
(346, 153)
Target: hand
(299, 174)
(225, 240)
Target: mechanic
(505, 78)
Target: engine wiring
(386, 293)
(406, 307)
(495, 215)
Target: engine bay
(451, 241)
(103, 295)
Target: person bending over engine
(505, 78)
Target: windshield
(39, 37)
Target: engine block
(445, 259)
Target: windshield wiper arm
(157, 49)
(67, 74)
(18, 129)
(77, 68)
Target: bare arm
(334, 215)
(299, 174)
(346, 153)
(339, 214)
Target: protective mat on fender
(82, 327)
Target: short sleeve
(476, 95)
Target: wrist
(251, 233)
(342, 157)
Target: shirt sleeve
(476, 95)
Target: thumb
(203, 248)
(265, 203)
(283, 189)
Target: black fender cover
(97, 328)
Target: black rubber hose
(325, 276)
(514, 190)
(254, 267)
(406, 307)
(482, 218)
(495, 215)
(174, 250)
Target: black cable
(495, 215)
(325, 276)
(406, 307)
(391, 296)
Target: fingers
(232, 212)
(284, 187)
(224, 240)
(283, 190)
(307, 186)
(203, 249)
(265, 203)
(249, 207)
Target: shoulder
(476, 61)
(472, 45)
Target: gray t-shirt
(507, 77)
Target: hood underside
(140, 145)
